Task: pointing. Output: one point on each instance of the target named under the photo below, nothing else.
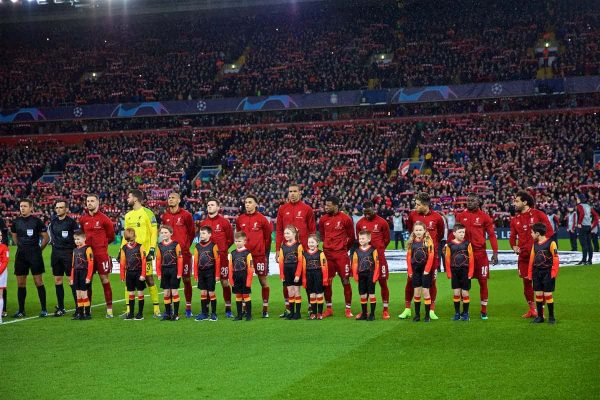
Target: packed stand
(551, 155)
(301, 48)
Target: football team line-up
(80, 248)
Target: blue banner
(350, 98)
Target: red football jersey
(477, 224)
(298, 214)
(99, 231)
(520, 228)
(222, 232)
(337, 232)
(380, 232)
(258, 229)
(183, 228)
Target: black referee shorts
(61, 261)
(29, 259)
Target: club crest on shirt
(65, 234)
(29, 232)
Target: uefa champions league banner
(305, 101)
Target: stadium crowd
(489, 155)
(298, 49)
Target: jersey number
(484, 270)
(260, 267)
(224, 271)
(186, 269)
(383, 270)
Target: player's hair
(295, 185)
(333, 200)
(138, 194)
(251, 196)
(412, 237)
(475, 197)
(129, 234)
(79, 233)
(526, 197)
(458, 226)
(206, 229)
(240, 235)
(167, 227)
(540, 228)
(28, 201)
(175, 192)
(61, 201)
(423, 198)
(92, 195)
(368, 204)
(213, 199)
(313, 236)
(292, 229)
(365, 232)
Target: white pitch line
(51, 316)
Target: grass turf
(504, 357)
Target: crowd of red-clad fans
(313, 47)
(551, 154)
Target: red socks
(107, 294)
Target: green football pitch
(504, 357)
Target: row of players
(299, 267)
(336, 230)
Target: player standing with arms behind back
(99, 233)
(182, 223)
(222, 236)
(477, 223)
(520, 232)
(434, 223)
(294, 212)
(337, 232)
(258, 232)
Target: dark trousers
(399, 235)
(585, 238)
(573, 238)
(595, 242)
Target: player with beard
(521, 241)
(477, 223)
(182, 223)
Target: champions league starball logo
(201, 105)
(77, 112)
(497, 89)
(333, 99)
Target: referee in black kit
(61, 230)
(26, 232)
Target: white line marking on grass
(71, 310)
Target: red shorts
(523, 264)
(187, 265)
(482, 265)
(383, 266)
(102, 264)
(224, 265)
(338, 263)
(260, 265)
